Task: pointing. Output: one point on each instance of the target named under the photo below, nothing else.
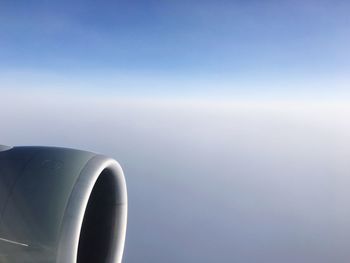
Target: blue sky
(245, 180)
(177, 47)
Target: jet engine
(61, 205)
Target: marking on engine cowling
(13, 242)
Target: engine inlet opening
(97, 235)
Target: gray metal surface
(4, 148)
(54, 202)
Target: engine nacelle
(61, 205)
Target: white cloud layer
(224, 181)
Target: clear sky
(242, 181)
(177, 48)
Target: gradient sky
(178, 48)
(229, 118)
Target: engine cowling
(61, 205)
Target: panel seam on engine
(13, 242)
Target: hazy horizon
(211, 182)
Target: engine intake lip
(77, 205)
(4, 148)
